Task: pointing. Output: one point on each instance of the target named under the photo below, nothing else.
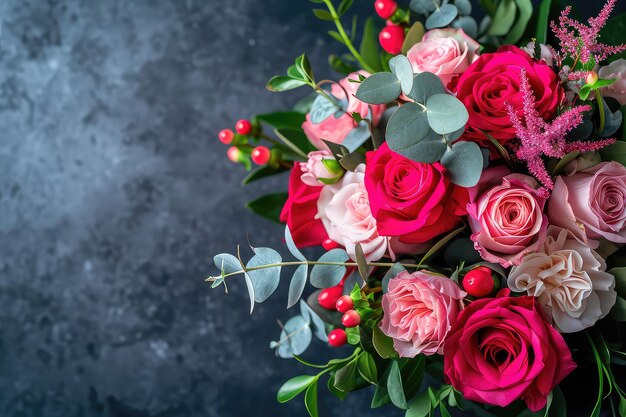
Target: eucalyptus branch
(346, 39)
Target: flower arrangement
(469, 196)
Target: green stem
(346, 38)
(270, 139)
(600, 110)
(600, 375)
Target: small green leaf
(446, 113)
(324, 276)
(369, 49)
(283, 119)
(331, 387)
(379, 88)
(394, 387)
(464, 162)
(262, 172)
(310, 400)
(413, 36)
(304, 67)
(440, 244)
(282, 83)
(383, 344)
(295, 140)
(340, 65)
(269, 206)
(412, 375)
(354, 336)
(542, 21)
(503, 19)
(401, 67)
(420, 406)
(344, 6)
(290, 389)
(323, 15)
(345, 377)
(361, 261)
(367, 368)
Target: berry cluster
(391, 37)
(241, 151)
(333, 299)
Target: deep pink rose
(502, 349)
(300, 211)
(420, 309)
(506, 216)
(335, 129)
(494, 81)
(411, 200)
(444, 52)
(591, 203)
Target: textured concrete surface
(114, 193)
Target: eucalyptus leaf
(227, 263)
(390, 274)
(361, 261)
(379, 88)
(265, 280)
(357, 136)
(407, 126)
(324, 276)
(291, 245)
(612, 121)
(442, 17)
(426, 84)
(295, 337)
(318, 324)
(423, 6)
(394, 387)
(464, 162)
(250, 288)
(428, 150)
(290, 389)
(464, 6)
(401, 67)
(323, 108)
(297, 284)
(446, 113)
(468, 24)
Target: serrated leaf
(394, 387)
(442, 17)
(425, 85)
(379, 88)
(446, 113)
(290, 389)
(265, 280)
(464, 162)
(297, 284)
(401, 67)
(324, 276)
(282, 83)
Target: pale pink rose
(344, 209)
(419, 310)
(506, 216)
(317, 173)
(546, 55)
(615, 70)
(568, 279)
(444, 52)
(335, 129)
(591, 203)
(584, 161)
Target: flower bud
(321, 169)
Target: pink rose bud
(321, 169)
(592, 77)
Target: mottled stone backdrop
(114, 193)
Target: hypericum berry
(592, 77)
(337, 338)
(226, 136)
(344, 303)
(478, 282)
(328, 297)
(385, 8)
(330, 244)
(260, 155)
(243, 127)
(391, 39)
(351, 318)
(233, 154)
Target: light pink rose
(317, 173)
(546, 55)
(420, 309)
(506, 216)
(568, 279)
(591, 203)
(344, 209)
(615, 70)
(444, 52)
(335, 129)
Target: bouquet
(469, 195)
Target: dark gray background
(114, 194)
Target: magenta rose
(493, 81)
(591, 203)
(335, 129)
(420, 309)
(502, 349)
(506, 216)
(444, 52)
(411, 200)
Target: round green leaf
(324, 276)
(428, 150)
(227, 263)
(464, 6)
(379, 88)
(468, 24)
(294, 386)
(265, 280)
(406, 127)
(442, 17)
(295, 337)
(423, 6)
(464, 162)
(401, 67)
(426, 84)
(446, 113)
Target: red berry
(330, 244)
(351, 318)
(344, 303)
(261, 155)
(226, 136)
(328, 297)
(478, 282)
(385, 8)
(243, 127)
(337, 338)
(391, 39)
(233, 154)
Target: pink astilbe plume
(538, 138)
(581, 41)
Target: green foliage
(283, 119)
(324, 276)
(269, 206)
(379, 88)
(401, 67)
(613, 34)
(298, 75)
(413, 36)
(263, 172)
(290, 389)
(464, 162)
(266, 280)
(383, 344)
(541, 32)
(394, 386)
(369, 49)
